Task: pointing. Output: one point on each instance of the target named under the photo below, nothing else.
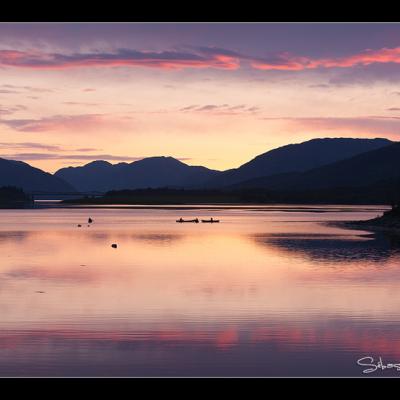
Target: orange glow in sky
(69, 96)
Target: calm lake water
(269, 291)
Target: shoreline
(317, 208)
(367, 225)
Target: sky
(208, 94)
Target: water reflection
(153, 239)
(247, 297)
(261, 350)
(329, 248)
(13, 236)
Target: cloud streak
(203, 58)
(221, 109)
(193, 57)
(55, 156)
(4, 110)
(289, 62)
(7, 88)
(41, 146)
(57, 122)
(374, 124)
(77, 157)
(76, 103)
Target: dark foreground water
(270, 291)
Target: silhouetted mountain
(152, 172)
(375, 174)
(297, 158)
(22, 175)
(368, 178)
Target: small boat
(180, 220)
(90, 221)
(210, 221)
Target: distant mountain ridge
(297, 158)
(28, 178)
(378, 168)
(315, 165)
(151, 172)
(156, 172)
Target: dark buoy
(79, 225)
(114, 246)
(89, 220)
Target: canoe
(209, 221)
(187, 220)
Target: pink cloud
(11, 109)
(200, 57)
(14, 88)
(286, 61)
(62, 156)
(42, 146)
(120, 58)
(64, 122)
(370, 124)
(222, 109)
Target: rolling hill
(374, 175)
(152, 172)
(28, 178)
(297, 158)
